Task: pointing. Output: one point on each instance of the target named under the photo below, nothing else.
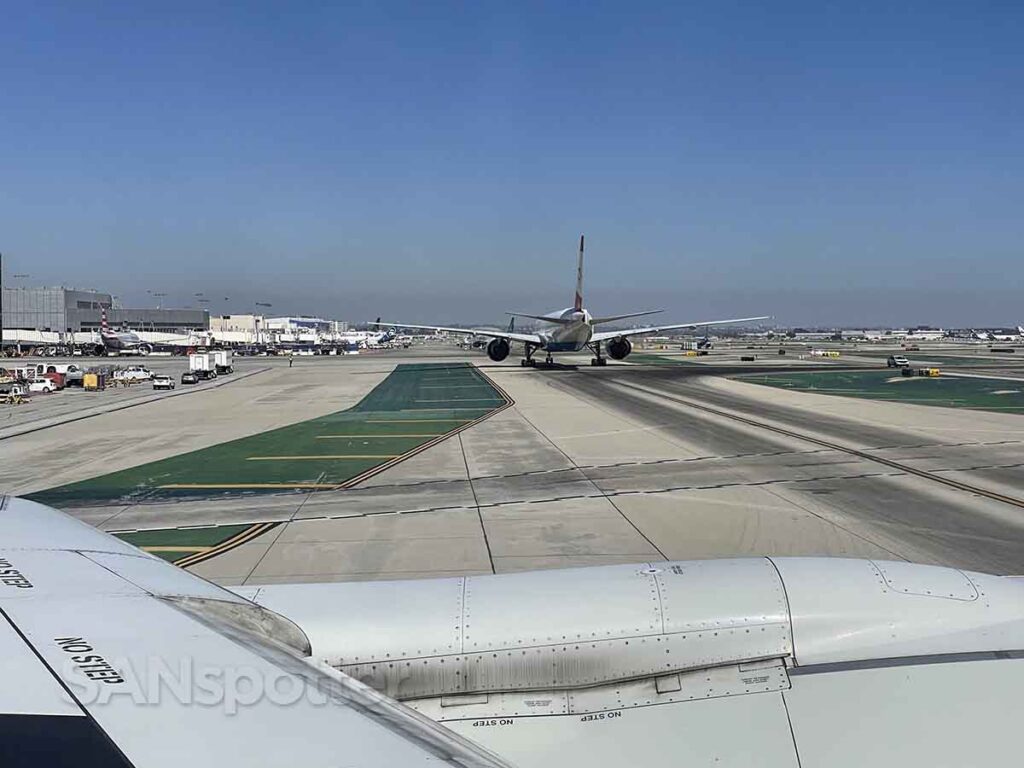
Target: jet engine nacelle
(498, 350)
(619, 348)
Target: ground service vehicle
(163, 381)
(203, 365)
(897, 361)
(221, 360)
(134, 373)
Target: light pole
(255, 321)
(22, 275)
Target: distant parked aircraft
(121, 341)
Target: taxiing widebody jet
(573, 330)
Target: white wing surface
(112, 657)
(605, 335)
(527, 338)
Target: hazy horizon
(828, 166)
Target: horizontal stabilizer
(545, 318)
(613, 318)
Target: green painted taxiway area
(940, 359)
(416, 406)
(1003, 395)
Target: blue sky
(822, 162)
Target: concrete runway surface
(628, 463)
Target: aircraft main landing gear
(528, 361)
(597, 359)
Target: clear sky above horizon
(827, 163)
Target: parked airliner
(123, 341)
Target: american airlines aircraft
(113, 657)
(572, 330)
(121, 341)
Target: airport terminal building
(66, 310)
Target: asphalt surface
(955, 527)
(629, 463)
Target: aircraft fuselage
(123, 341)
(567, 337)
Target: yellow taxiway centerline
(461, 400)
(372, 437)
(454, 386)
(242, 486)
(333, 457)
(414, 421)
(421, 410)
(250, 533)
(175, 549)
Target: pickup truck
(134, 373)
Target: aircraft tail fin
(578, 303)
(103, 320)
(512, 324)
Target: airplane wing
(527, 338)
(605, 335)
(113, 657)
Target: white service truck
(222, 360)
(203, 365)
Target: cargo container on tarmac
(94, 381)
(203, 365)
(222, 360)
